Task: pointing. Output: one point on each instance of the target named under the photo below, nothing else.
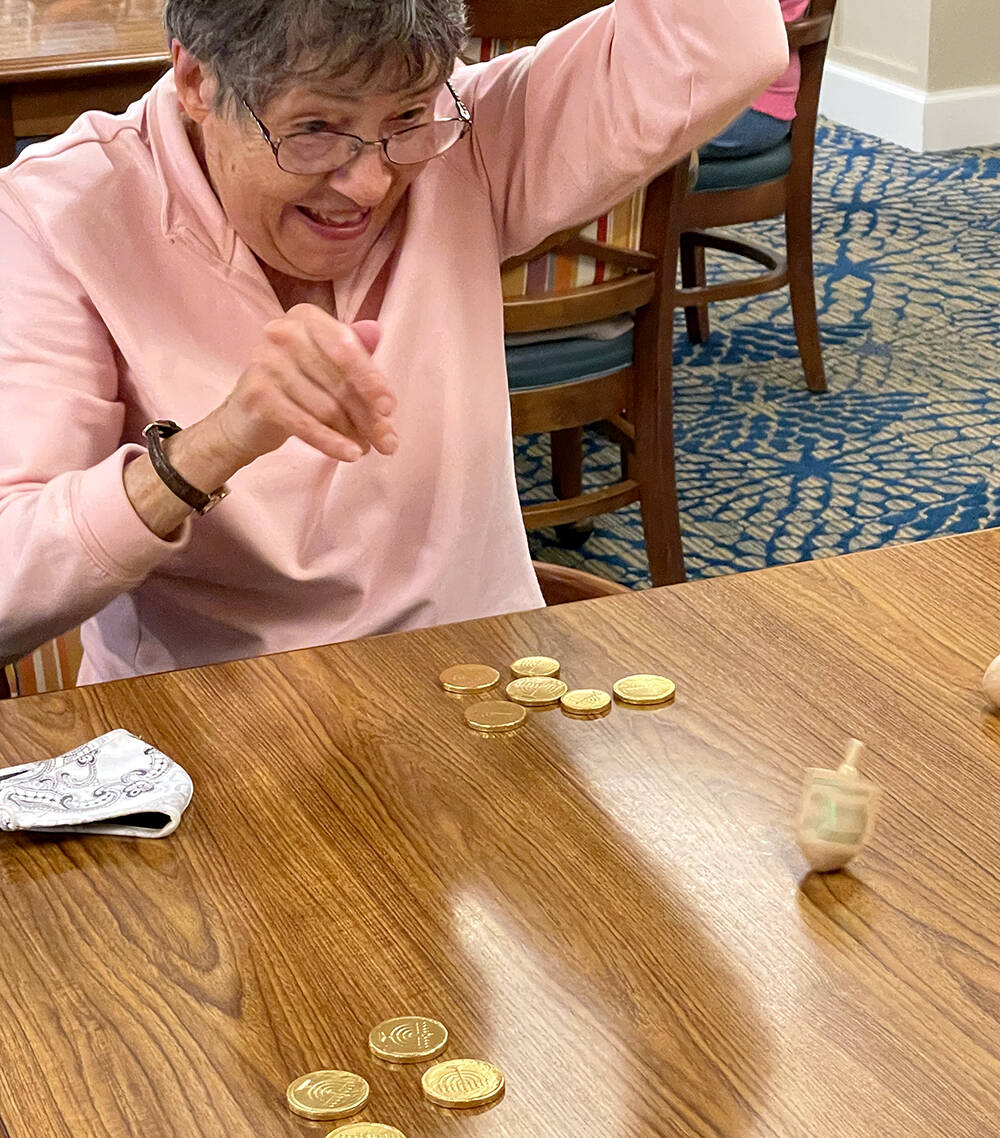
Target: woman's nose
(365, 179)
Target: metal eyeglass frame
(464, 117)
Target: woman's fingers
(317, 403)
(337, 361)
(336, 444)
(313, 377)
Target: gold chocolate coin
(586, 701)
(536, 691)
(469, 677)
(408, 1039)
(644, 689)
(462, 1083)
(327, 1094)
(535, 666)
(366, 1130)
(495, 715)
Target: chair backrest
(606, 267)
(51, 666)
(550, 268)
(606, 250)
(810, 36)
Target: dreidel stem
(851, 752)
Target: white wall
(888, 38)
(922, 73)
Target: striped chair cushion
(48, 668)
(556, 272)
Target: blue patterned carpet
(906, 442)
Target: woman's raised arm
(602, 106)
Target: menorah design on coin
(462, 1083)
(586, 699)
(536, 690)
(408, 1039)
(327, 1094)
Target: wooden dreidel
(837, 813)
(991, 681)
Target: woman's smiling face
(315, 227)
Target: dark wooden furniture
(561, 584)
(634, 402)
(612, 911)
(789, 195)
(59, 59)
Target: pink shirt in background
(126, 296)
(778, 100)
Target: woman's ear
(195, 86)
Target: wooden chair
(624, 383)
(52, 666)
(562, 585)
(779, 182)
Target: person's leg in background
(752, 133)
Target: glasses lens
(421, 143)
(315, 153)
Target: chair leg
(652, 465)
(567, 482)
(693, 276)
(567, 462)
(660, 517)
(802, 288)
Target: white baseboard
(918, 120)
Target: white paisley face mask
(116, 784)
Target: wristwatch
(179, 486)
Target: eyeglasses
(324, 151)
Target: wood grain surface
(76, 37)
(614, 912)
(60, 58)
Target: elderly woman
(290, 246)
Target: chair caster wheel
(574, 535)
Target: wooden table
(59, 58)
(614, 911)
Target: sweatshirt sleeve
(70, 540)
(567, 129)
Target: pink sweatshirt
(779, 99)
(126, 296)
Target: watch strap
(155, 433)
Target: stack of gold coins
(462, 1083)
(644, 689)
(327, 1094)
(454, 1083)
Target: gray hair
(261, 48)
